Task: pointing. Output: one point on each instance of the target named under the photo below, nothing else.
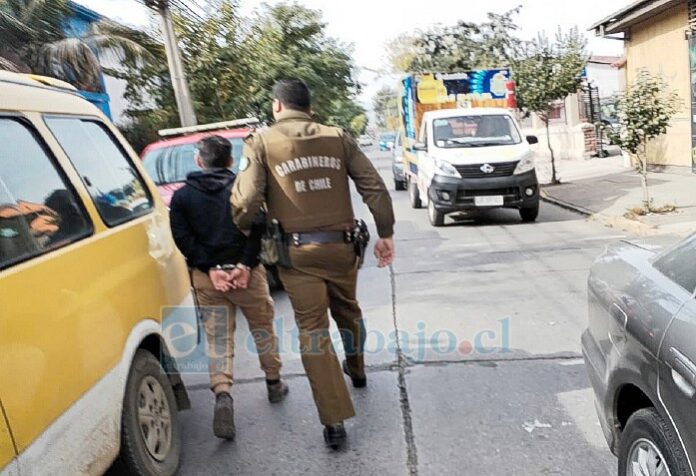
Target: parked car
(365, 140)
(386, 141)
(170, 160)
(640, 353)
(87, 266)
(398, 163)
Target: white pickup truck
(472, 159)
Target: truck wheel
(414, 195)
(649, 444)
(436, 217)
(399, 185)
(530, 214)
(150, 433)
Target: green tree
(358, 124)
(547, 72)
(385, 104)
(34, 40)
(232, 63)
(460, 47)
(644, 112)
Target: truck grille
(502, 169)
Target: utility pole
(182, 94)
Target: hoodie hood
(210, 181)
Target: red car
(169, 161)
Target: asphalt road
(485, 379)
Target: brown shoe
(277, 391)
(223, 421)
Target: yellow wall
(658, 45)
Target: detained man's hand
(240, 278)
(384, 251)
(221, 280)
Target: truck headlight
(525, 165)
(442, 167)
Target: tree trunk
(554, 178)
(644, 178)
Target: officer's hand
(240, 278)
(220, 279)
(384, 251)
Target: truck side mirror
(532, 140)
(420, 146)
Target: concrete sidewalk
(606, 190)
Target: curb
(622, 223)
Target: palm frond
(8, 65)
(126, 43)
(73, 61)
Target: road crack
(402, 363)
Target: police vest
(307, 186)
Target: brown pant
(323, 277)
(218, 311)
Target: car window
(153, 162)
(679, 264)
(115, 186)
(39, 211)
(474, 131)
(172, 164)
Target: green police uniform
(300, 169)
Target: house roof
(636, 12)
(610, 60)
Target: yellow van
(87, 264)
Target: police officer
(300, 169)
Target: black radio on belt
(360, 239)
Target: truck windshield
(475, 131)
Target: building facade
(658, 38)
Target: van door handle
(683, 373)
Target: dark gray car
(398, 164)
(640, 352)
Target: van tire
(436, 217)
(414, 194)
(135, 457)
(530, 214)
(647, 425)
(399, 185)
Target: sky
(369, 24)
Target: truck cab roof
(473, 111)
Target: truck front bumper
(450, 194)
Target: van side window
(115, 186)
(39, 212)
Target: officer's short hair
(293, 93)
(215, 151)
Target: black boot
(223, 421)
(358, 382)
(277, 391)
(335, 436)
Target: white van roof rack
(247, 121)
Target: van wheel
(437, 218)
(399, 185)
(414, 195)
(150, 433)
(649, 446)
(530, 214)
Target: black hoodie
(201, 220)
